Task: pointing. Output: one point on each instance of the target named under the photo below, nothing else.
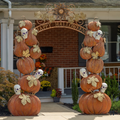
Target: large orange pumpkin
(31, 39)
(94, 65)
(35, 54)
(16, 108)
(20, 46)
(87, 85)
(25, 65)
(85, 53)
(94, 25)
(25, 24)
(89, 104)
(99, 48)
(89, 41)
(24, 83)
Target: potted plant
(56, 94)
(45, 85)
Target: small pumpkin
(35, 52)
(90, 83)
(16, 108)
(94, 25)
(85, 53)
(29, 83)
(89, 41)
(99, 48)
(25, 65)
(94, 65)
(31, 39)
(37, 64)
(20, 46)
(25, 24)
(95, 103)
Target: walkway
(57, 111)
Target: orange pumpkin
(94, 65)
(89, 103)
(85, 53)
(20, 46)
(37, 64)
(89, 41)
(35, 54)
(25, 24)
(99, 48)
(94, 25)
(24, 83)
(31, 39)
(87, 85)
(16, 108)
(25, 65)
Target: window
(111, 32)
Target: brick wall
(65, 47)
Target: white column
(7, 44)
(61, 79)
(10, 46)
(3, 43)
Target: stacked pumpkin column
(94, 101)
(25, 103)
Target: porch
(65, 76)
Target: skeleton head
(83, 72)
(24, 33)
(97, 34)
(17, 89)
(104, 87)
(38, 73)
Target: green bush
(7, 81)
(112, 90)
(115, 106)
(76, 107)
(74, 90)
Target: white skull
(38, 73)
(97, 34)
(17, 89)
(104, 87)
(83, 72)
(24, 33)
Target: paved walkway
(57, 111)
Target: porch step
(63, 99)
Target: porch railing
(65, 75)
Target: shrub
(112, 90)
(74, 90)
(115, 106)
(76, 107)
(7, 81)
(56, 93)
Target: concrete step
(63, 99)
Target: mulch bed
(4, 111)
(71, 105)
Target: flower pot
(45, 88)
(56, 99)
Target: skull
(97, 34)
(104, 87)
(83, 72)
(38, 73)
(17, 89)
(24, 33)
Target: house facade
(64, 44)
